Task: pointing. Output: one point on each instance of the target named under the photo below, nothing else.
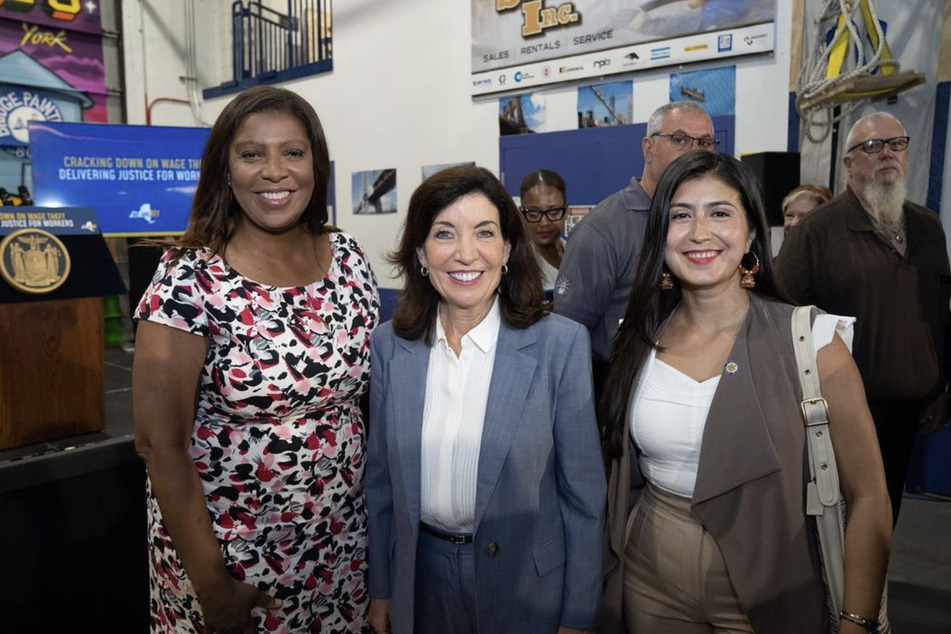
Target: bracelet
(870, 625)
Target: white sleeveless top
(669, 412)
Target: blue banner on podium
(140, 179)
(61, 221)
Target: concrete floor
(919, 571)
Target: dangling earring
(746, 275)
(666, 282)
(420, 256)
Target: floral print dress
(278, 439)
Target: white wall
(399, 92)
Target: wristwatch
(870, 625)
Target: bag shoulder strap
(815, 415)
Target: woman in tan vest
(707, 525)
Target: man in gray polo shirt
(597, 271)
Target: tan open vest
(750, 485)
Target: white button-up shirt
(457, 390)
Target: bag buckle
(815, 411)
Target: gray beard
(885, 201)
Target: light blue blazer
(541, 492)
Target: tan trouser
(675, 580)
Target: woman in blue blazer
(485, 483)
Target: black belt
(449, 537)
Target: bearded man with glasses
(597, 271)
(873, 254)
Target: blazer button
(491, 549)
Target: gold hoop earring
(746, 275)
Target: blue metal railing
(272, 46)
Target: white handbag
(824, 499)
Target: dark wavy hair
(215, 213)
(650, 307)
(520, 291)
(542, 177)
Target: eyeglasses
(874, 146)
(535, 215)
(684, 141)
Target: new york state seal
(34, 261)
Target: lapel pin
(731, 367)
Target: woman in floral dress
(251, 358)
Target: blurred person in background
(871, 253)
(801, 201)
(543, 208)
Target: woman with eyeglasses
(543, 214)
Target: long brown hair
(650, 307)
(215, 213)
(520, 291)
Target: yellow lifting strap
(870, 28)
(840, 45)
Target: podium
(51, 323)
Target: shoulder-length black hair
(215, 213)
(520, 291)
(649, 306)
